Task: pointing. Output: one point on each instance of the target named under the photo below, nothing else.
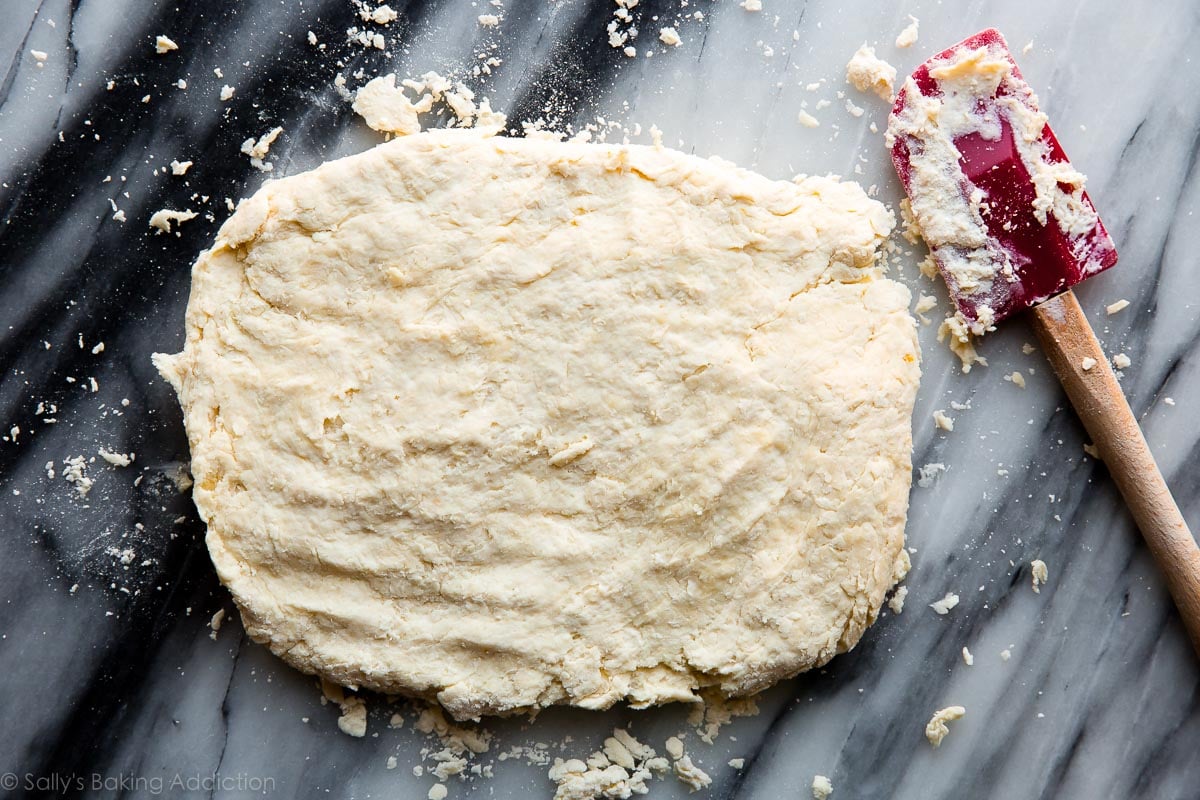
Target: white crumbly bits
(896, 603)
(162, 219)
(162, 44)
(807, 120)
(942, 421)
(353, 721)
(1038, 574)
(74, 471)
(1092, 451)
(822, 787)
(1087, 363)
(489, 20)
(180, 167)
(215, 623)
(685, 770)
(944, 605)
(116, 459)
(751, 5)
(1005, 654)
(258, 148)
(383, 15)
(868, 73)
(1121, 361)
(908, 36)
(620, 770)
(925, 302)
(1017, 379)
(438, 792)
(960, 339)
(226, 92)
(737, 763)
(39, 56)
(1117, 307)
(312, 39)
(669, 36)
(967, 658)
(936, 729)
(927, 475)
(386, 108)
(1027, 348)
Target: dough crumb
(1092, 451)
(116, 459)
(1121, 361)
(180, 167)
(822, 787)
(75, 473)
(751, 5)
(353, 721)
(808, 120)
(1005, 654)
(489, 20)
(942, 421)
(960, 339)
(163, 218)
(868, 73)
(896, 603)
(226, 92)
(936, 730)
(670, 37)
(716, 711)
(1087, 363)
(944, 605)
(386, 108)
(39, 56)
(927, 475)
(258, 148)
(1038, 573)
(1017, 379)
(164, 45)
(1117, 307)
(438, 792)
(215, 623)
(968, 659)
(908, 36)
(620, 770)
(737, 763)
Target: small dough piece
(936, 730)
(1039, 573)
(392, 366)
(822, 787)
(868, 73)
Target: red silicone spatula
(1010, 227)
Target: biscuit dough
(511, 422)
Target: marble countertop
(110, 676)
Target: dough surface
(511, 422)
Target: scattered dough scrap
(116, 459)
(1017, 379)
(215, 623)
(163, 218)
(1121, 361)
(1087, 363)
(180, 167)
(822, 787)
(908, 36)
(227, 92)
(808, 120)
(429, 339)
(968, 659)
(164, 45)
(258, 148)
(869, 73)
(669, 37)
(1117, 307)
(896, 603)
(1038, 573)
(942, 421)
(936, 730)
(751, 5)
(489, 20)
(944, 605)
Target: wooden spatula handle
(1070, 344)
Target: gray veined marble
(108, 670)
